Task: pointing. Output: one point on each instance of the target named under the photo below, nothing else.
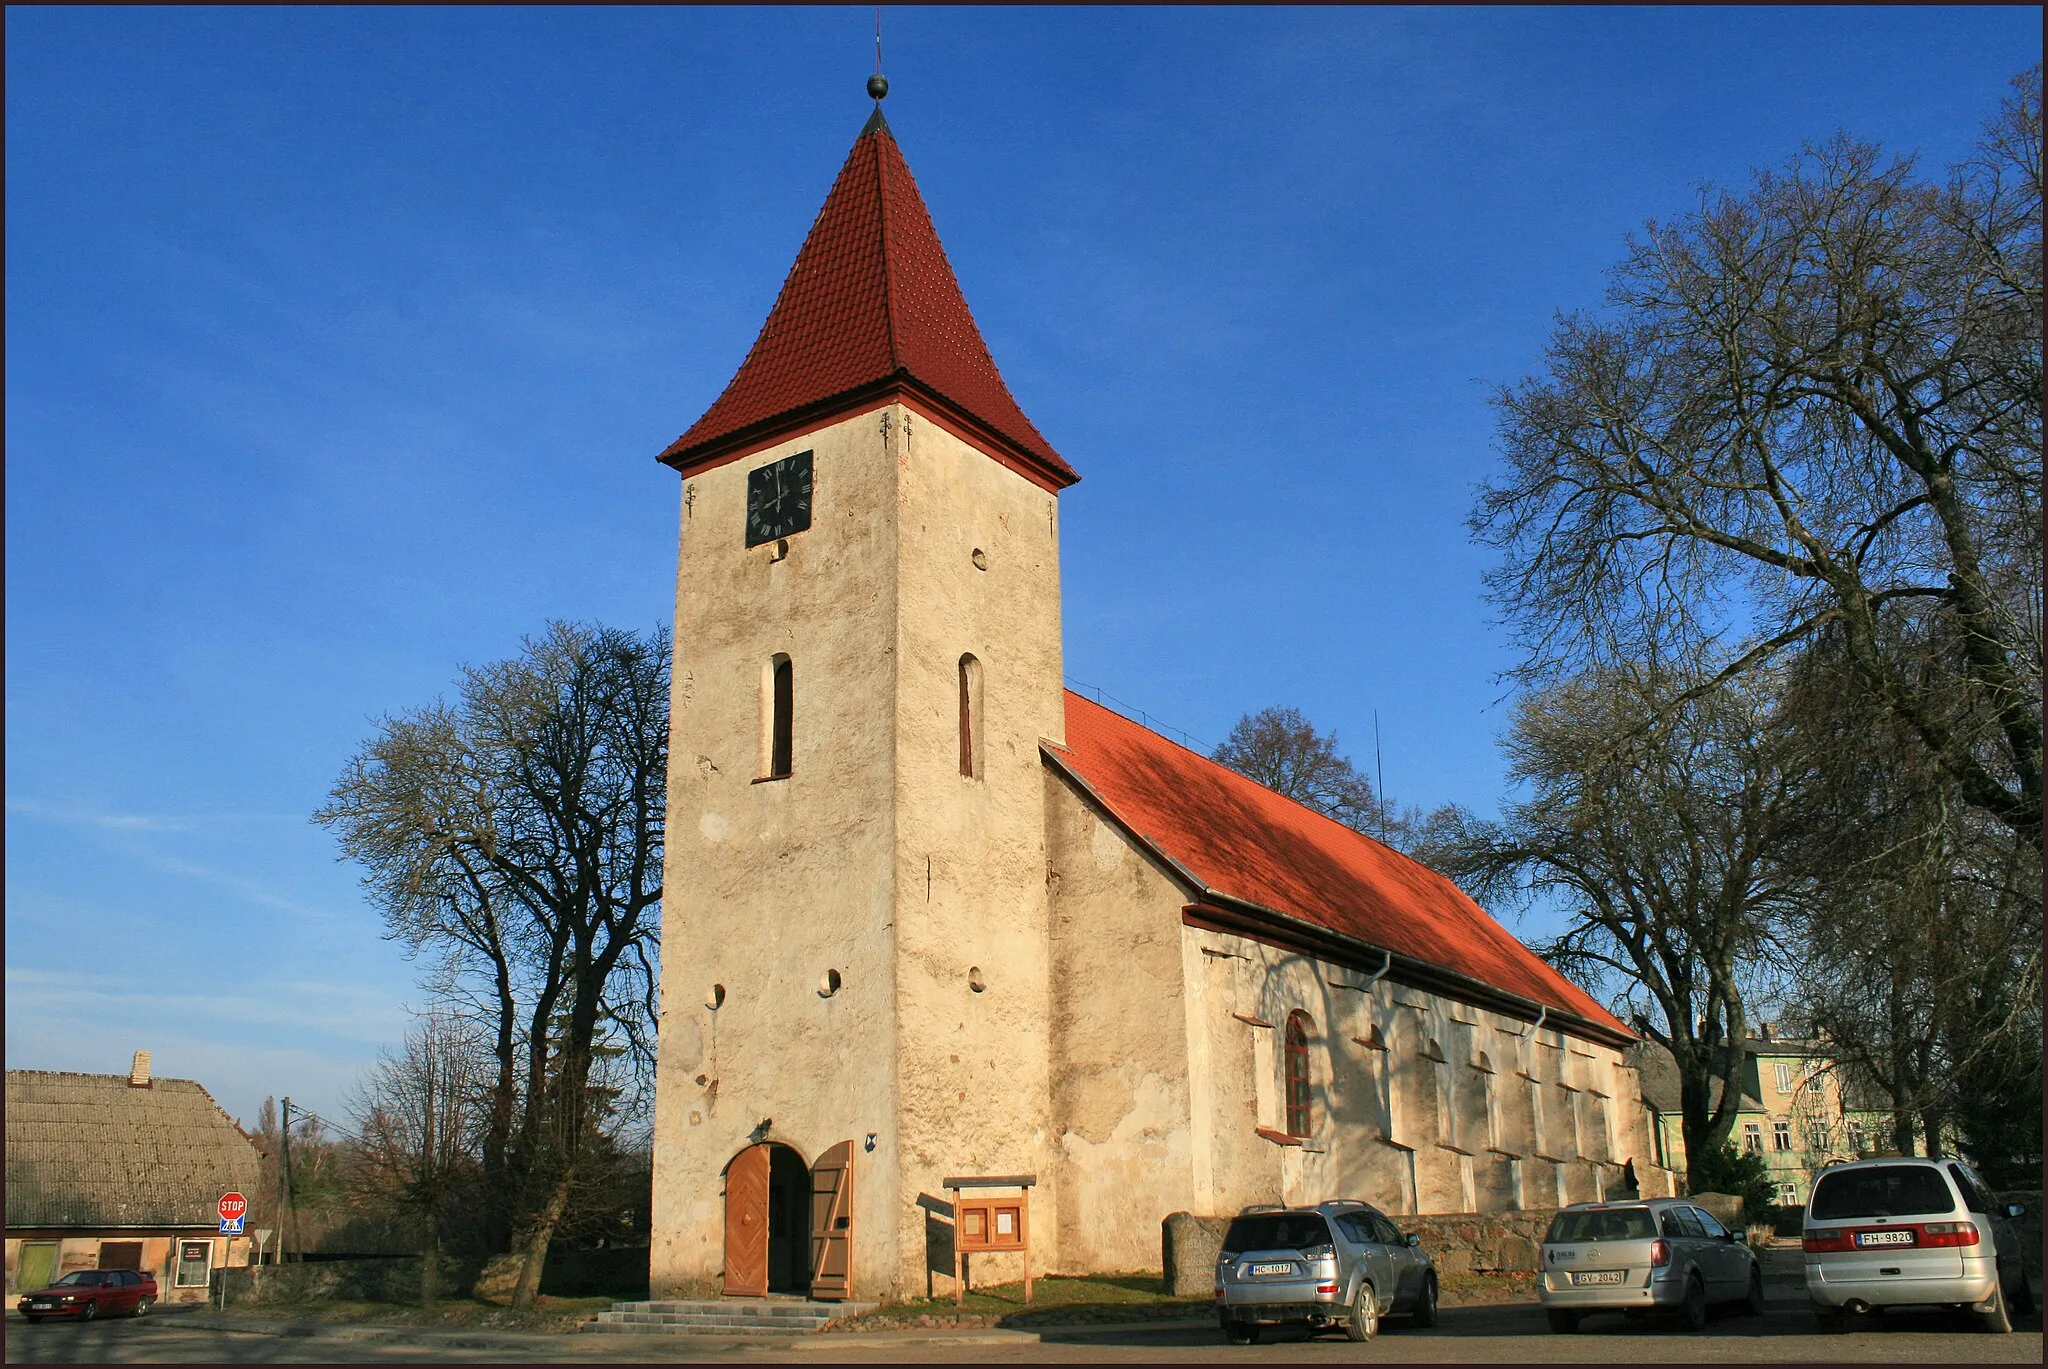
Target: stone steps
(722, 1317)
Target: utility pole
(284, 1177)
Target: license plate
(1884, 1238)
(1602, 1276)
(42, 1306)
(1262, 1269)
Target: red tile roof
(871, 308)
(1242, 841)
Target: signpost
(262, 1234)
(234, 1210)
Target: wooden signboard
(989, 1225)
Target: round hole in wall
(716, 998)
(980, 559)
(974, 979)
(828, 983)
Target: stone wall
(1459, 1243)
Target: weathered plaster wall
(978, 551)
(772, 884)
(1396, 1126)
(1121, 1104)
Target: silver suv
(1636, 1258)
(1896, 1232)
(1338, 1264)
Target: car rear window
(1277, 1231)
(1606, 1224)
(1881, 1191)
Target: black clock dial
(779, 499)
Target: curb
(455, 1338)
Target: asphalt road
(1511, 1333)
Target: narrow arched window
(1299, 1118)
(971, 758)
(778, 699)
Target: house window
(1856, 1140)
(1817, 1137)
(1784, 1077)
(1446, 1118)
(1492, 1110)
(195, 1263)
(1753, 1138)
(1788, 1195)
(971, 755)
(1817, 1084)
(1781, 1136)
(1298, 1118)
(778, 726)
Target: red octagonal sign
(233, 1206)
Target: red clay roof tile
(1245, 842)
(870, 302)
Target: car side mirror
(2015, 1209)
(1731, 1236)
(1413, 1240)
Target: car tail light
(1660, 1253)
(1326, 1288)
(1949, 1234)
(1219, 1292)
(1820, 1240)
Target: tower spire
(871, 313)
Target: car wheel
(1425, 1303)
(1996, 1319)
(1692, 1313)
(89, 1311)
(1240, 1333)
(1828, 1321)
(142, 1307)
(1561, 1321)
(1754, 1305)
(1363, 1323)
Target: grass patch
(550, 1314)
(1055, 1300)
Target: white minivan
(1902, 1232)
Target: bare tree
(1650, 826)
(416, 1114)
(1813, 405)
(1282, 750)
(516, 838)
(1919, 930)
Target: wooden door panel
(832, 1224)
(746, 1224)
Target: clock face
(779, 499)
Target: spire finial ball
(878, 86)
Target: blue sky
(340, 343)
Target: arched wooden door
(832, 1224)
(746, 1224)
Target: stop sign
(233, 1207)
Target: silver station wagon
(1338, 1265)
(1898, 1232)
(1663, 1255)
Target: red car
(89, 1293)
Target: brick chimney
(138, 1073)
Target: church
(932, 917)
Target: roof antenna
(1380, 783)
(878, 84)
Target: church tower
(854, 959)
